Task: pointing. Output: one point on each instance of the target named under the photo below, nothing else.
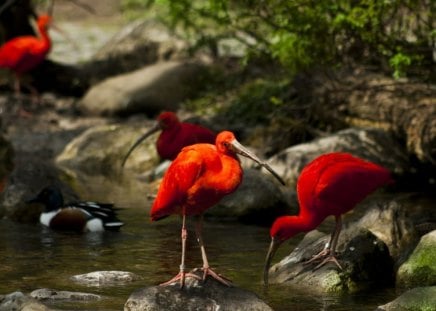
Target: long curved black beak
(154, 129)
(240, 149)
(269, 256)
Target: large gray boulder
(161, 86)
(101, 149)
(369, 144)
(258, 200)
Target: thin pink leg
(207, 270)
(182, 274)
(328, 253)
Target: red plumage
(174, 136)
(196, 180)
(22, 54)
(332, 184)
(199, 177)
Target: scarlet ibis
(174, 136)
(332, 184)
(22, 54)
(199, 177)
(78, 216)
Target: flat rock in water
(46, 293)
(99, 278)
(20, 301)
(196, 295)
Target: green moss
(420, 268)
(417, 299)
(332, 282)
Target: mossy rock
(420, 268)
(417, 299)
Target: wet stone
(420, 298)
(20, 301)
(101, 278)
(196, 295)
(52, 294)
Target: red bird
(332, 184)
(200, 176)
(22, 54)
(175, 135)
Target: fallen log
(405, 107)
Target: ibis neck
(45, 41)
(305, 222)
(230, 172)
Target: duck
(80, 216)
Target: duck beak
(154, 129)
(269, 256)
(240, 149)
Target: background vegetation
(396, 36)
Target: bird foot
(322, 254)
(181, 276)
(326, 255)
(220, 278)
(330, 258)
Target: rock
(51, 294)
(22, 302)
(211, 295)
(101, 149)
(390, 222)
(6, 160)
(258, 200)
(138, 44)
(151, 89)
(100, 278)
(364, 258)
(417, 299)
(371, 144)
(420, 267)
(26, 180)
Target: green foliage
(301, 34)
(399, 62)
(256, 102)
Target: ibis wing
(179, 178)
(342, 185)
(15, 50)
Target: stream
(35, 257)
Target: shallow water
(34, 257)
